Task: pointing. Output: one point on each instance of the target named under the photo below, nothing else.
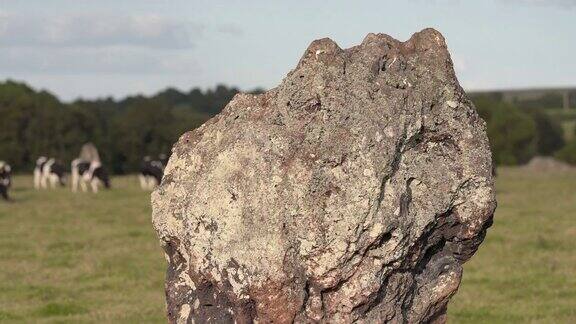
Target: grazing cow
(151, 172)
(5, 181)
(92, 173)
(48, 171)
(40, 162)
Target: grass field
(68, 258)
(80, 257)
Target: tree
(35, 123)
(145, 128)
(512, 132)
(550, 136)
(568, 153)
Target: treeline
(34, 123)
(521, 130)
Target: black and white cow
(5, 182)
(48, 171)
(151, 172)
(89, 173)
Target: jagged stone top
(364, 166)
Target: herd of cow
(86, 175)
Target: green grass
(525, 271)
(68, 258)
(80, 257)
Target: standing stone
(353, 191)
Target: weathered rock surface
(354, 191)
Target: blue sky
(87, 48)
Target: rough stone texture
(354, 191)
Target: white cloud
(83, 60)
(99, 44)
(97, 30)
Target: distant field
(68, 258)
